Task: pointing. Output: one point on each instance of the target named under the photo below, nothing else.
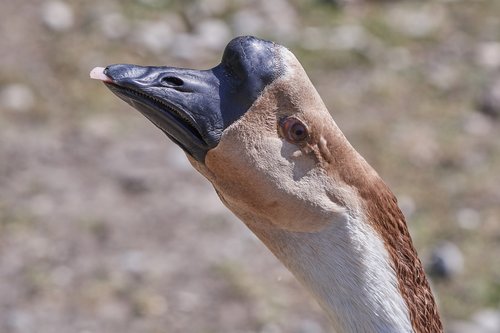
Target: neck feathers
(346, 268)
(382, 214)
(386, 218)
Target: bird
(255, 126)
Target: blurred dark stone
(489, 101)
(446, 261)
(133, 185)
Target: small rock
(488, 54)
(282, 18)
(188, 301)
(468, 218)
(247, 22)
(150, 3)
(62, 276)
(463, 327)
(42, 205)
(213, 7)
(133, 262)
(309, 326)
(416, 22)
(313, 38)
(446, 261)
(186, 46)
(133, 185)
(271, 328)
(57, 16)
(443, 77)
(489, 102)
(488, 320)
(477, 124)
(398, 58)
(114, 25)
(113, 310)
(156, 36)
(150, 305)
(213, 34)
(20, 321)
(349, 37)
(17, 97)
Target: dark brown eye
(294, 130)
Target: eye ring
(294, 130)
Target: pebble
(468, 218)
(349, 38)
(446, 261)
(488, 55)
(213, 34)
(463, 326)
(62, 276)
(247, 22)
(114, 25)
(133, 262)
(489, 101)
(271, 328)
(17, 97)
(277, 19)
(133, 185)
(443, 76)
(488, 320)
(20, 321)
(282, 18)
(416, 22)
(477, 124)
(398, 58)
(155, 36)
(188, 301)
(150, 3)
(187, 46)
(213, 7)
(313, 38)
(57, 16)
(113, 311)
(483, 321)
(309, 326)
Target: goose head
(253, 125)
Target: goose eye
(293, 130)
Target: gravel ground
(105, 227)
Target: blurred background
(105, 227)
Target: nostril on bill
(172, 81)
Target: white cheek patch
(293, 179)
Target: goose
(257, 129)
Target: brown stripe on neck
(387, 219)
(384, 215)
